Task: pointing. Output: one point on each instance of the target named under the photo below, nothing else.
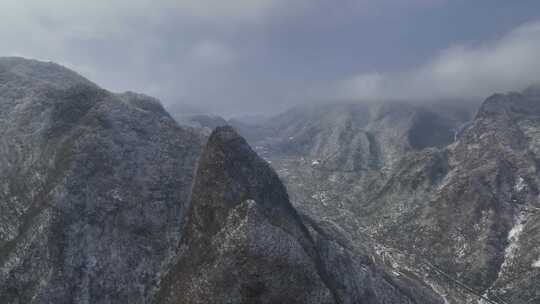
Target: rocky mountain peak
(93, 188)
(236, 173)
(106, 199)
(143, 102)
(229, 176)
(240, 225)
(39, 73)
(244, 242)
(514, 103)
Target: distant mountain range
(108, 198)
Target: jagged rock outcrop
(479, 222)
(355, 137)
(454, 211)
(243, 240)
(92, 188)
(331, 157)
(245, 243)
(472, 208)
(396, 203)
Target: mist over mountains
(269, 152)
(264, 56)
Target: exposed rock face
(92, 188)
(245, 243)
(332, 157)
(466, 210)
(356, 137)
(477, 211)
(396, 203)
(243, 240)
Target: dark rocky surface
(380, 203)
(92, 188)
(245, 243)
(460, 211)
(472, 207)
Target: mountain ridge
(243, 209)
(105, 198)
(87, 178)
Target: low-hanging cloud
(463, 71)
(260, 56)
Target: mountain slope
(92, 188)
(245, 243)
(452, 201)
(391, 203)
(331, 157)
(477, 218)
(356, 137)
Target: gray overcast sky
(252, 56)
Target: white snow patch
(513, 239)
(536, 264)
(438, 290)
(283, 171)
(514, 234)
(473, 147)
(462, 250)
(116, 195)
(520, 185)
(322, 197)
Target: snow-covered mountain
(105, 198)
(449, 196)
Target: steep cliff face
(245, 243)
(94, 193)
(473, 207)
(333, 157)
(99, 202)
(92, 188)
(243, 240)
(457, 208)
(355, 137)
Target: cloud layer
(252, 56)
(462, 71)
